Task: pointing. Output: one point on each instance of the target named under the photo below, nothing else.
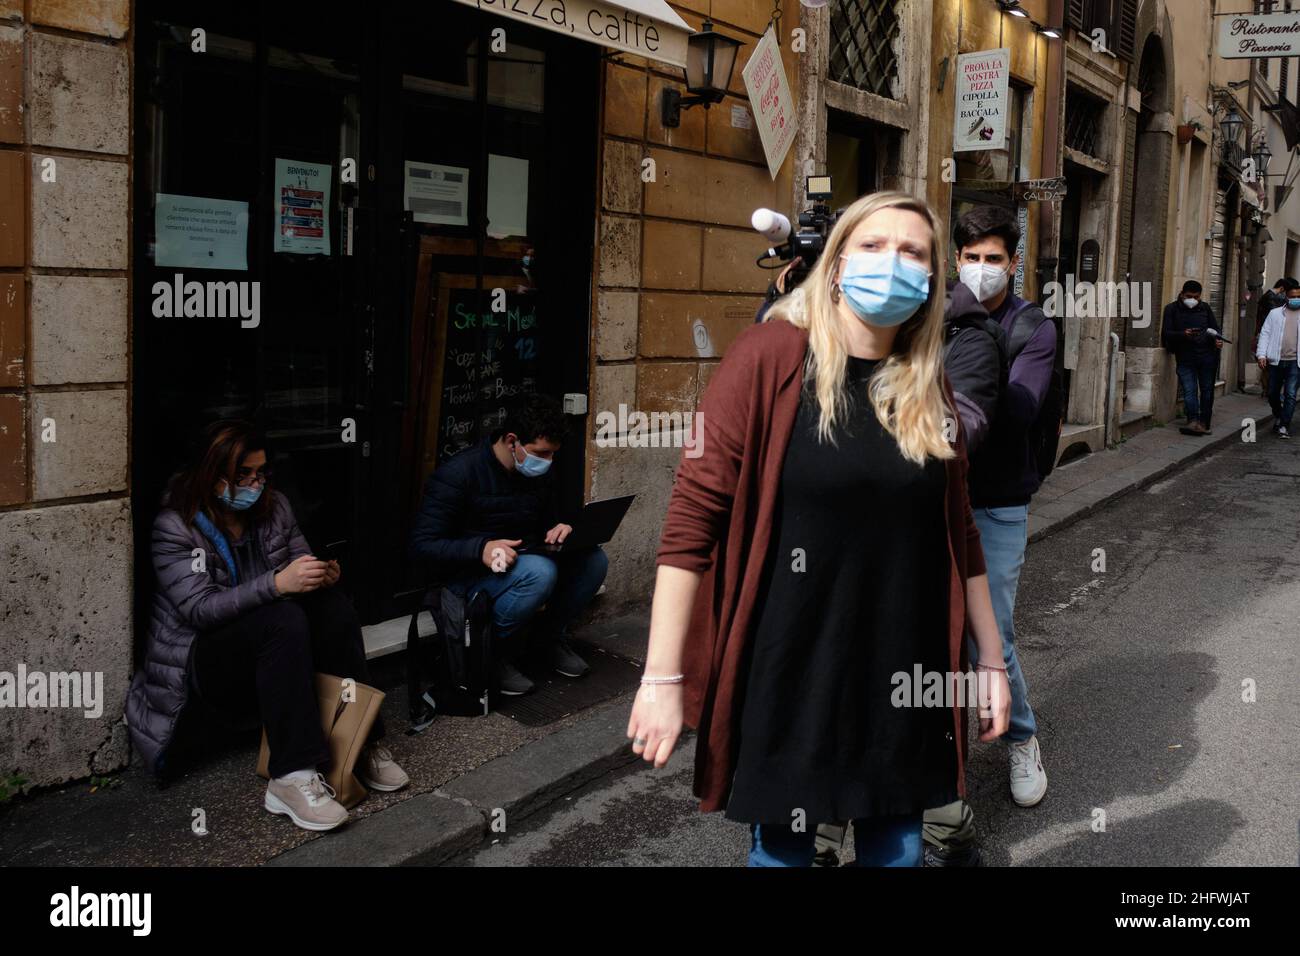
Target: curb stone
(433, 827)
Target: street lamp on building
(710, 58)
(1231, 126)
(1261, 156)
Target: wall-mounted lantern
(710, 58)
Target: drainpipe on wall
(1112, 379)
(1048, 217)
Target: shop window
(1084, 115)
(864, 34)
(999, 165)
(855, 156)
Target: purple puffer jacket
(188, 602)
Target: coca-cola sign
(1252, 36)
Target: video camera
(807, 244)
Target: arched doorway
(1149, 182)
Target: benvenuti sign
(647, 28)
(1247, 36)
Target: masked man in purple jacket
(1003, 473)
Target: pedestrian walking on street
(821, 546)
(1022, 404)
(1276, 354)
(1191, 332)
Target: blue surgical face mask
(882, 288)
(1293, 303)
(532, 466)
(244, 498)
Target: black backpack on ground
(458, 658)
(1045, 432)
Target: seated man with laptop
(489, 520)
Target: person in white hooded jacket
(1276, 353)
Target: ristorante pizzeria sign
(647, 28)
(1246, 36)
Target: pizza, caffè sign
(1251, 36)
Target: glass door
(240, 185)
(496, 161)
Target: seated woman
(243, 616)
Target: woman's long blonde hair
(905, 390)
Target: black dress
(856, 591)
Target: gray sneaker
(379, 771)
(309, 803)
(510, 682)
(566, 661)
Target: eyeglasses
(246, 477)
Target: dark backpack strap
(1027, 318)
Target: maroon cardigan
(719, 523)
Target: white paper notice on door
(507, 196)
(302, 204)
(437, 194)
(194, 232)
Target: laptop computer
(595, 525)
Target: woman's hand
(304, 573)
(656, 722)
(995, 703)
(332, 574)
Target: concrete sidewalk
(1076, 490)
(471, 776)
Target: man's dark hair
(1280, 283)
(1191, 285)
(532, 417)
(1292, 284)
(984, 222)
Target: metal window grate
(1083, 121)
(863, 33)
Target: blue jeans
(566, 583)
(1197, 375)
(878, 841)
(1282, 379)
(1003, 532)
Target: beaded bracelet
(990, 667)
(675, 679)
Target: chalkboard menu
(491, 357)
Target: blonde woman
(820, 546)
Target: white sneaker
(1028, 778)
(308, 801)
(379, 771)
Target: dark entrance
(359, 301)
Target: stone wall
(675, 275)
(65, 539)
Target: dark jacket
(471, 500)
(188, 602)
(1177, 319)
(1004, 471)
(719, 522)
(974, 356)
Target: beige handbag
(346, 715)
